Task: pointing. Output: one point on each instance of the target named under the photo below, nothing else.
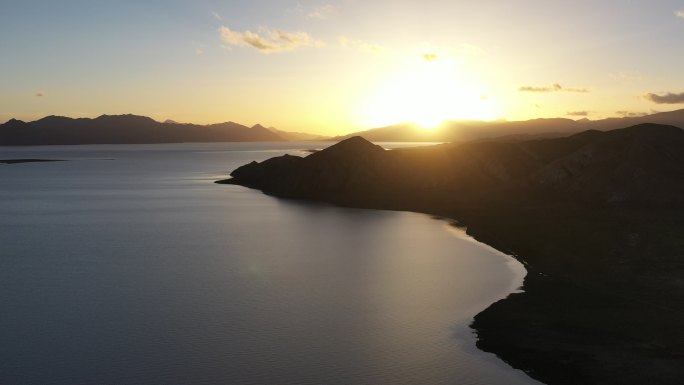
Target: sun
(426, 92)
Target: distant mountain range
(140, 129)
(132, 129)
(459, 131)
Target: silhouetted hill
(637, 164)
(322, 173)
(459, 131)
(297, 136)
(124, 129)
(597, 218)
(672, 118)
(643, 164)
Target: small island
(597, 218)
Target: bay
(128, 265)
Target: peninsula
(597, 218)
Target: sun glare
(427, 93)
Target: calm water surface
(128, 265)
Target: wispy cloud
(578, 90)
(553, 88)
(680, 14)
(323, 12)
(361, 45)
(269, 40)
(630, 114)
(539, 89)
(668, 98)
(624, 76)
(216, 16)
(579, 113)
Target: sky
(337, 66)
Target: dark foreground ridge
(597, 217)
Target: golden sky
(340, 66)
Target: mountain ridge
(128, 129)
(55, 129)
(516, 130)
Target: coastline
(556, 330)
(596, 218)
(572, 324)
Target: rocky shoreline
(597, 218)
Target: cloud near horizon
(579, 113)
(268, 40)
(553, 88)
(668, 98)
(631, 114)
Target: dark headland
(597, 218)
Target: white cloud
(361, 45)
(268, 40)
(553, 88)
(625, 76)
(216, 16)
(323, 12)
(680, 14)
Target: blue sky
(339, 66)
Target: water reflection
(135, 271)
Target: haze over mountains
(131, 129)
(454, 131)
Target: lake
(128, 265)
